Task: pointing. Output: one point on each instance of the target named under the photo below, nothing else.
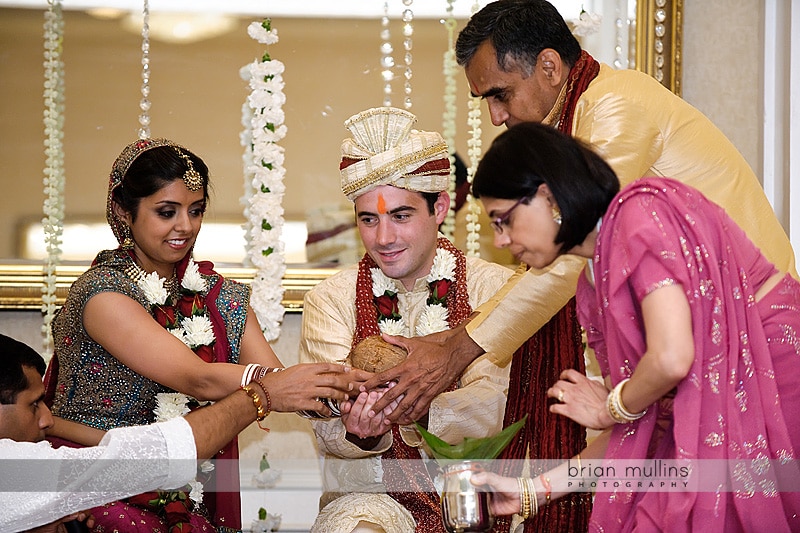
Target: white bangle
(616, 409)
(249, 372)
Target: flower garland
(262, 118)
(186, 319)
(53, 221)
(434, 317)
(449, 69)
(474, 153)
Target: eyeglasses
(501, 221)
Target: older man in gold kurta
(520, 56)
(410, 282)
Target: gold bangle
(524, 499)
(535, 498)
(260, 413)
(616, 409)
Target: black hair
(430, 199)
(13, 356)
(519, 30)
(529, 154)
(151, 171)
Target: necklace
(136, 273)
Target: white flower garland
(434, 317)
(193, 331)
(53, 208)
(262, 118)
(449, 70)
(474, 152)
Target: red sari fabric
(537, 364)
(740, 395)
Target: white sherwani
(475, 409)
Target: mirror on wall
(332, 72)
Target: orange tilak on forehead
(381, 204)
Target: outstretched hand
(299, 387)
(433, 363)
(504, 498)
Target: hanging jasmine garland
(262, 118)
(53, 221)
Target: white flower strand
(449, 69)
(54, 178)
(474, 153)
(262, 118)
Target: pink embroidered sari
(740, 397)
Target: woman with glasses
(697, 336)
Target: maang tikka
(191, 177)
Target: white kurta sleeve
(40, 484)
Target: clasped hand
(360, 419)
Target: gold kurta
(641, 129)
(475, 409)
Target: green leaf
(267, 24)
(265, 189)
(266, 226)
(267, 251)
(263, 464)
(478, 449)
(262, 513)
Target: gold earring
(127, 241)
(556, 216)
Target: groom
(398, 180)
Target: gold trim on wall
(659, 35)
(21, 283)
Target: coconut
(374, 354)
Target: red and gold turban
(385, 150)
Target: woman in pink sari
(697, 336)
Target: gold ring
(561, 395)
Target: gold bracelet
(524, 499)
(260, 413)
(534, 497)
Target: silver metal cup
(465, 507)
